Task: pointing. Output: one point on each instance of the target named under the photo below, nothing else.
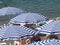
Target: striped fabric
(29, 18)
(46, 42)
(52, 27)
(29, 30)
(13, 32)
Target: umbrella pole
(12, 42)
(8, 42)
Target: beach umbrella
(16, 32)
(58, 18)
(28, 18)
(50, 28)
(10, 11)
(46, 42)
(51, 42)
(41, 22)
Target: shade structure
(15, 32)
(46, 42)
(28, 18)
(10, 10)
(42, 22)
(58, 18)
(50, 28)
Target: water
(49, 8)
(6, 19)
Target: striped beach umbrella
(50, 28)
(46, 42)
(28, 18)
(10, 11)
(16, 32)
(51, 42)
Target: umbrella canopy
(58, 18)
(9, 11)
(42, 22)
(28, 18)
(46, 42)
(50, 28)
(15, 32)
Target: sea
(48, 8)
